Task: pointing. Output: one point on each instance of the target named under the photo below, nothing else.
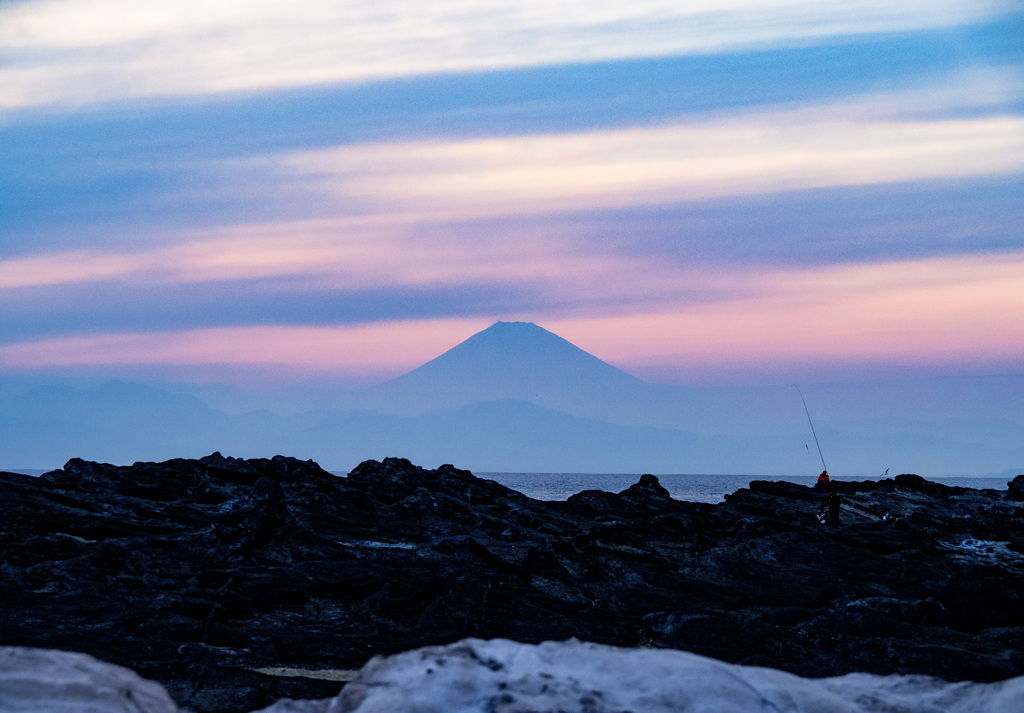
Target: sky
(727, 192)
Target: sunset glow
(694, 193)
(355, 352)
(938, 314)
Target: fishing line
(825, 467)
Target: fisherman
(834, 501)
(823, 478)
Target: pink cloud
(358, 352)
(939, 313)
(935, 314)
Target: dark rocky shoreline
(196, 573)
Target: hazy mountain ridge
(116, 421)
(504, 435)
(516, 397)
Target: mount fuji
(509, 361)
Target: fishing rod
(824, 467)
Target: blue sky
(739, 191)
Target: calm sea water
(692, 488)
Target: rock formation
(217, 577)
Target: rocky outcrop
(1015, 488)
(206, 575)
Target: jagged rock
(201, 573)
(911, 480)
(647, 484)
(47, 681)
(496, 676)
(1015, 488)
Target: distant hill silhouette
(115, 421)
(516, 397)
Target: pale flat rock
(50, 681)
(499, 676)
(287, 705)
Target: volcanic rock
(1015, 488)
(206, 574)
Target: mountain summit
(518, 351)
(508, 360)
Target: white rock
(287, 705)
(498, 676)
(49, 681)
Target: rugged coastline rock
(204, 574)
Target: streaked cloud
(412, 216)
(744, 155)
(169, 164)
(339, 254)
(67, 52)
